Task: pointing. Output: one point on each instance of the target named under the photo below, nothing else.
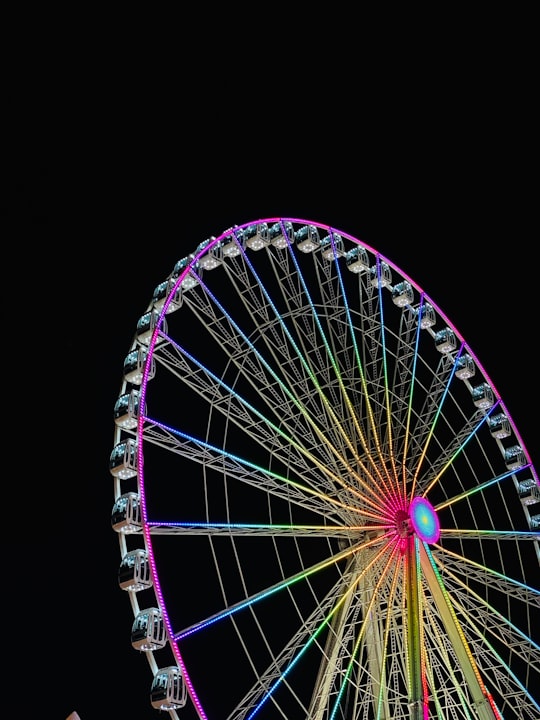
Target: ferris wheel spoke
(496, 670)
(231, 530)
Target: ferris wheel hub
(424, 520)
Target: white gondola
(134, 571)
(281, 234)
(465, 367)
(357, 260)
(148, 630)
(482, 396)
(307, 238)
(381, 275)
(123, 459)
(257, 237)
(514, 457)
(210, 259)
(162, 292)
(445, 340)
(499, 426)
(425, 315)
(192, 277)
(126, 514)
(126, 410)
(402, 294)
(168, 691)
(134, 364)
(332, 247)
(232, 245)
(529, 492)
(146, 325)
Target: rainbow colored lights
(424, 520)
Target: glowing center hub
(424, 520)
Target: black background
(106, 199)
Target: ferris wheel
(323, 505)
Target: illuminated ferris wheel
(323, 505)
